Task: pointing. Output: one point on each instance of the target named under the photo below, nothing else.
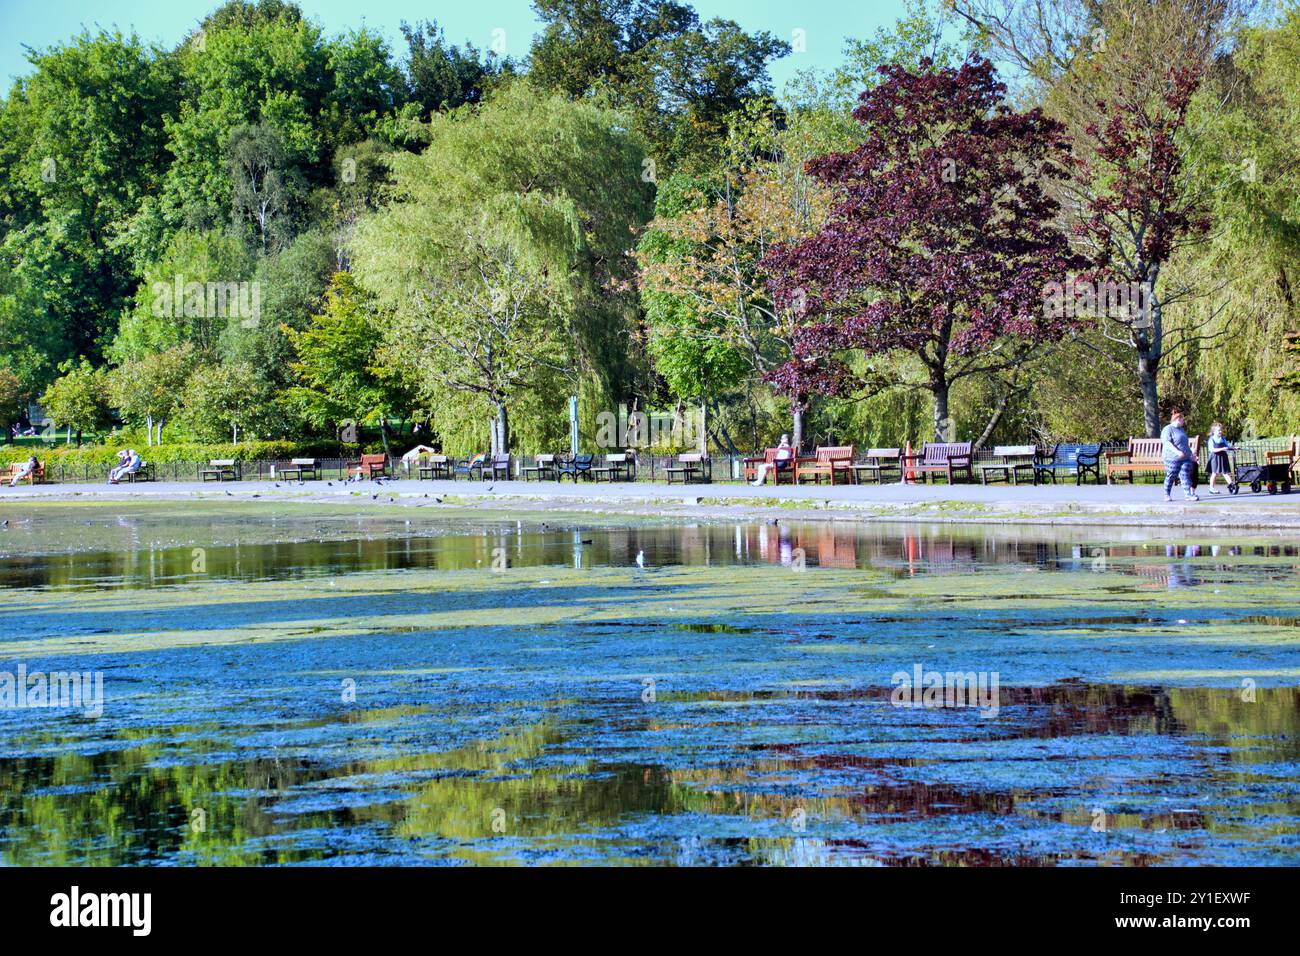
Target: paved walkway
(1107, 504)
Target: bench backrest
(220, 462)
(877, 454)
(619, 458)
(544, 459)
(938, 453)
(833, 453)
(690, 458)
(501, 460)
(303, 461)
(1152, 449)
(1014, 451)
(374, 459)
(1068, 454)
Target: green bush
(103, 457)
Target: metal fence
(649, 467)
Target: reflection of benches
(691, 467)
(1071, 458)
(876, 463)
(368, 466)
(300, 468)
(433, 466)
(219, 469)
(33, 477)
(826, 462)
(779, 465)
(543, 466)
(617, 467)
(1142, 455)
(941, 458)
(1011, 461)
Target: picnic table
(1011, 461)
(691, 467)
(876, 463)
(543, 466)
(620, 466)
(220, 469)
(301, 469)
(433, 466)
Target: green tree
(503, 263)
(147, 390)
(338, 366)
(227, 401)
(77, 400)
(13, 401)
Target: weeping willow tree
(1247, 150)
(503, 264)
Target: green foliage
(148, 388)
(13, 400)
(337, 364)
(230, 400)
(78, 398)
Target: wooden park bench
(1142, 455)
(826, 462)
(691, 467)
(433, 466)
(146, 472)
(495, 467)
(769, 457)
(1011, 461)
(1071, 458)
(876, 463)
(940, 458)
(620, 466)
(300, 469)
(219, 469)
(34, 477)
(368, 466)
(543, 467)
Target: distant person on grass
(783, 455)
(1219, 448)
(128, 463)
(23, 470)
(1179, 461)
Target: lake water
(300, 685)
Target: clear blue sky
(40, 23)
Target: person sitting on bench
(128, 464)
(23, 470)
(784, 455)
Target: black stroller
(1275, 476)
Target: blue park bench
(1079, 460)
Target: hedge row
(104, 456)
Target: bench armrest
(961, 461)
(1119, 453)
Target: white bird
(640, 559)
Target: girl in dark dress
(1219, 448)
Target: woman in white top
(783, 455)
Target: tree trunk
(796, 437)
(148, 431)
(942, 424)
(501, 431)
(383, 436)
(161, 421)
(1147, 368)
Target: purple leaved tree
(941, 243)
